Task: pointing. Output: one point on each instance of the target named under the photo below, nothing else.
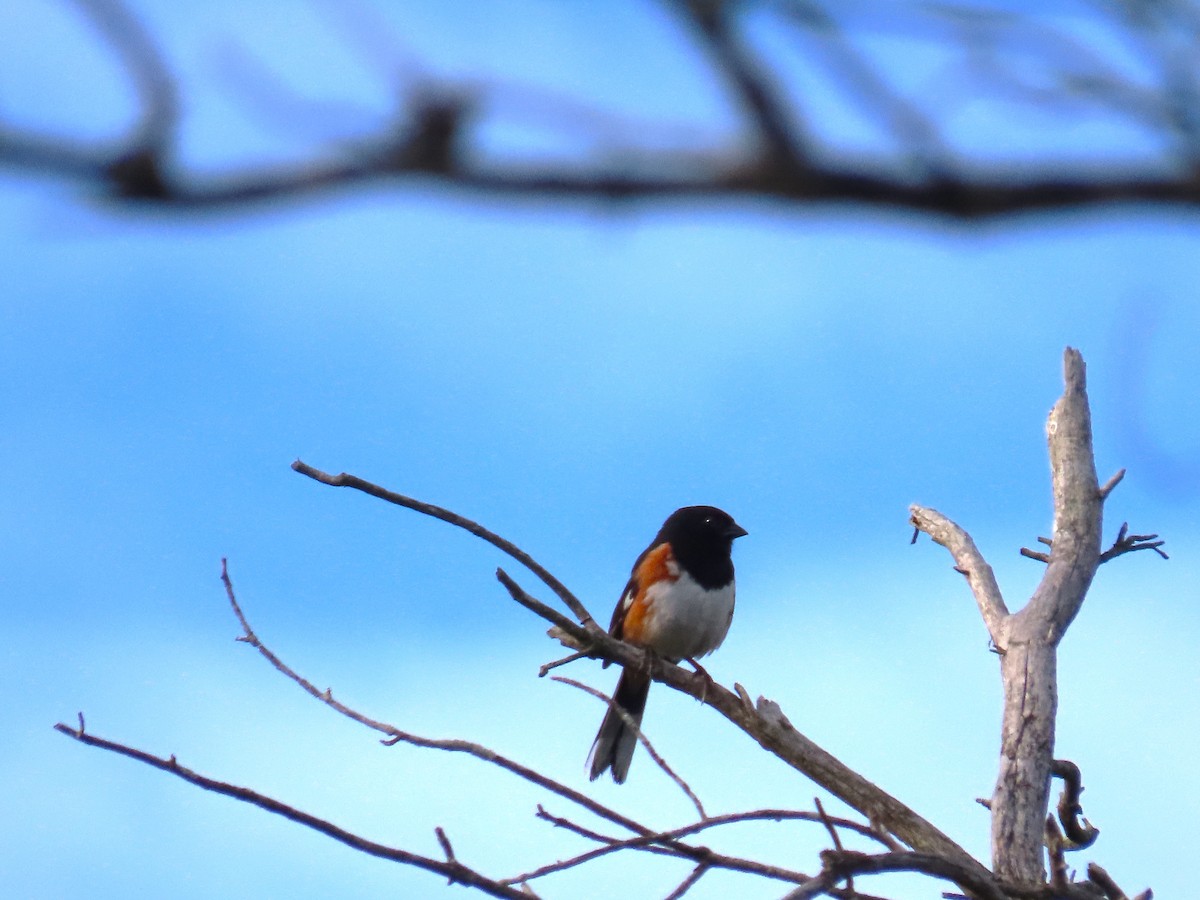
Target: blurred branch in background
(917, 76)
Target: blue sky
(567, 376)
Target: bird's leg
(701, 671)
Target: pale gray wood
(1027, 640)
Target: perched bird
(678, 604)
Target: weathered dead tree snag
(1027, 641)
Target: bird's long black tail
(616, 741)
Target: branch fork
(1027, 640)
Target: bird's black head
(702, 538)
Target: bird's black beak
(735, 531)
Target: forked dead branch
(1024, 836)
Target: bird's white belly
(685, 620)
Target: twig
(137, 170)
(445, 515)
(913, 130)
(661, 843)
(580, 634)
(396, 735)
(1124, 543)
(1056, 847)
(613, 845)
(1035, 554)
(445, 842)
(837, 841)
(455, 871)
(1128, 543)
(1098, 876)
(574, 827)
(838, 865)
(762, 101)
(687, 883)
(698, 854)
(645, 741)
(546, 668)
(1108, 486)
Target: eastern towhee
(678, 604)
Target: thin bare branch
(546, 668)
(765, 107)
(1109, 486)
(1124, 543)
(698, 854)
(913, 130)
(970, 562)
(577, 633)
(454, 871)
(632, 724)
(445, 843)
(686, 885)
(1098, 876)
(1129, 543)
(833, 835)
(839, 865)
(121, 29)
(445, 515)
(1056, 850)
(613, 845)
(662, 844)
(396, 735)
(574, 828)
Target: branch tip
(1108, 486)
(447, 849)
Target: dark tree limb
(763, 103)
(433, 134)
(454, 871)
